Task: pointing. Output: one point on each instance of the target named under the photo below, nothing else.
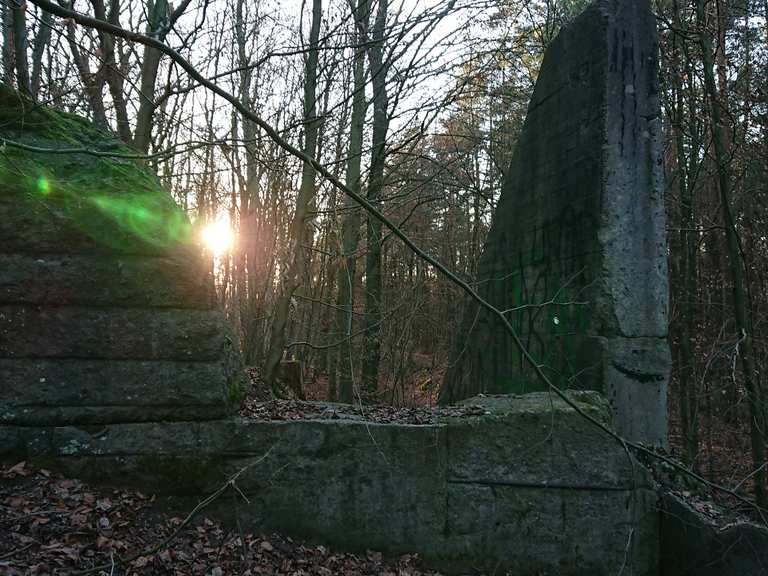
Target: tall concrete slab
(576, 253)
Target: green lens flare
(43, 186)
(147, 217)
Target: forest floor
(50, 524)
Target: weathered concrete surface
(580, 225)
(109, 280)
(530, 487)
(107, 310)
(693, 545)
(60, 391)
(111, 333)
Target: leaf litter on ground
(272, 410)
(53, 525)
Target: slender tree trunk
(350, 228)
(41, 41)
(110, 70)
(295, 272)
(743, 324)
(142, 136)
(7, 21)
(373, 273)
(92, 82)
(685, 261)
(19, 21)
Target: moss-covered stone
(106, 304)
(107, 203)
(530, 487)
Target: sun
(217, 236)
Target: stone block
(112, 333)
(581, 222)
(105, 280)
(530, 487)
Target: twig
(17, 551)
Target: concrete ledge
(530, 486)
(58, 392)
(694, 545)
(98, 280)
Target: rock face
(107, 311)
(577, 249)
(529, 486)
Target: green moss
(114, 201)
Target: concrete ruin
(577, 249)
(107, 311)
(528, 485)
(115, 365)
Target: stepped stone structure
(576, 253)
(107, 311)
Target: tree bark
(350, 228)
(142, 136)
(109, 68)
(41, 41)
(19, 22)
(373, 273)
(685, 264)
(92, 83)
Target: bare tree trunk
(743, 324)
(158, 16)
(373, 288)
(41, 41)
(684, 264)
(109, 68)
(19, 21)
(7, 41)
(350, 228)
(295, 272)
(92, 82)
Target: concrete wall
(580, 224)
(530, 486)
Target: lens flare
(217, 236)
(43, 186)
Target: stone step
(53, 392)
(112, 333)
(96, 280)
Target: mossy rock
(105, 300)
(106, 201)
